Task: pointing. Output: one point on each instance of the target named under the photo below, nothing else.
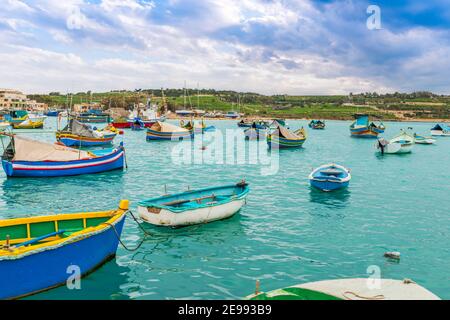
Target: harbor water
(287, 233)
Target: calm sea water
(287, 233)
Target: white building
(12, 99)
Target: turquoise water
(287, 233)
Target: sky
(270, 47)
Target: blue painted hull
(328, 185)
(48, 269)
(52, 113)
(171, 136)
(83, 143)
(108, 162)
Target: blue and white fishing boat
(194, 207)
(37, 253)
(441, 129)
(138, 125)
(167, 131)
(284, 138)
(419, 139)
(330, 177)
(30, 158)
(400, 144)
(362, 128)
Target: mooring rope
(377, 297)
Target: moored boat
(317, 124)
(167, 131)
(402, 143)
(52, 113)
(16, 116)
(255, 133)
(77, 134)
(361, 128)
(201, 127)
(25, 157)
(349, 289)
(441, 130)
(137, 125)
(36, 253)
(284, 138)
(423, 140)
(330, 177)
(29, 123)
(93, 116)
(194, 207)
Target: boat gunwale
(341, 180)
(240, 196)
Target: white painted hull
(201, 215)
(437, 133)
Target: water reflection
(103, 283)
(338, 199)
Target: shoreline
(253, 118)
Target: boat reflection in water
(338, 199)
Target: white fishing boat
(349, 289)
(194, 207)
(402, 143)
(423, 140)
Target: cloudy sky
(272, 47)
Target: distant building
(85, 107)
(36, 106)
(12, 99)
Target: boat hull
(112, 161)
(276, 142)
(47, 269)
(171, 136)
(364, 133)
(71, 140)
(201, 215)
(328, 186)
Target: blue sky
(271, 47)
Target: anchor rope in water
(146, 233)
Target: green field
(388, 107)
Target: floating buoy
(392, 255)
(120, 131)
(203, 148)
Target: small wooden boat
(244, 123)
(423, 140)
(193, 207)
(93, 116)
(137, 125)
(402, 143)
(36, 252)
(30, 158)
(52, 113)
(317, 124)
(330, 177)
(37, 123)
(232, 115)
(284, 138)
(441, 130)
(16, 116)
(77, 134)
(349, 289)
(361, 128)
(167, 131)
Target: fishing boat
(402, 143)
(77, 134)
(285, 138)
(36, 253)
(121, 123)
(201, 127)
(52, 113)
(349, 289)
(24, 157)
(317, 124)
(36, 123)
(16, 116)
(244, 123)
(423, 140)
(361, 128)
(194, 207)
(255, 133)
(93, 116)
(232, 115)
(330, 177)
(137, 125)
(441, 130)
(167, 131)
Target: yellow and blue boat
(361, 128)
(16, 116)
(284, 138)
(36, 253)
(77, 134)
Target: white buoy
(392, 255)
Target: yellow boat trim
(54, 241)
